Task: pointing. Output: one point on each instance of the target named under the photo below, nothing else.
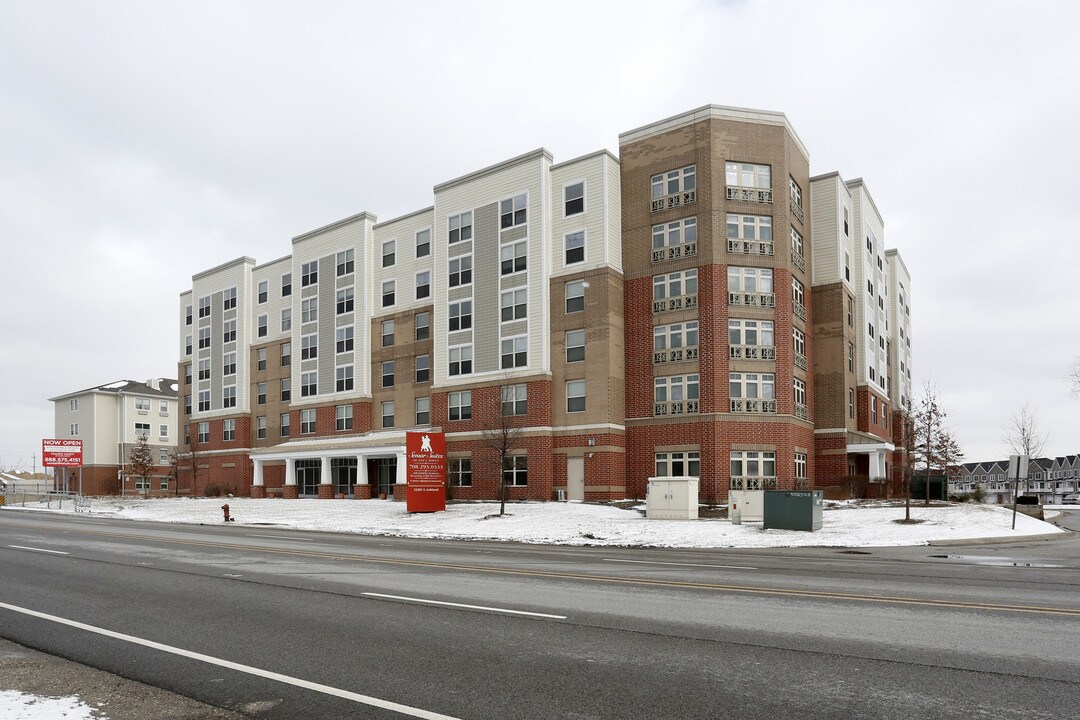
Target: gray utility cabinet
(793, 510)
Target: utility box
(672, 498)
(793, 510)
(750, 504)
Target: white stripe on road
(460, 605)
(281, 537)
(656, 562)
(297, 682)
(51, 552)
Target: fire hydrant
(225, 509)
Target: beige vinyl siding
(825, 245)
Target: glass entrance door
(386, 472)
(307, 476)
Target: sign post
(1018, 465)
(425, 471)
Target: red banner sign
(61, 453)
(425, 471)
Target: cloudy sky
(142, 142)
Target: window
(389, 253)
(204, 369)
(516, 470)
(163, 458)
(575, 296)
(228, 430)
(228, 299)
(676, 394)
(285, 422)
(163, 431)
(850, 312)
(264, 290)
(752, 392)
(307, 422)
(423, 284)
(308, 384)
(851, 403)
(204, 338)
(345, 301)
(460, 227)
(575, 396)
(460, 270)
(851, 357)
(800, 392)
(388, 293)
(309, 274)
(187, 314)
(260, 359)
(423, 411)
(675, 342)
(344, 339)
(459, 405)
(286, 285)
(230, 331)
(512, 304)
(514, 352)
(228, 366)
(512, 212)
(674, 239)
(797, 293)
(575, 346)
(751, 339)
(204, 400)
(750, 280)
(674, 182)
(423, 368)
(388, 374)
(873, 409)
(461, 315)
(460, 360)
(388, 414)
(678, 464)
(285, 389)
(422, 323)
(187, 375)
(754, 466)
(204, 432)
(574, 199)
(575, 247)
(286, 354)
(845, 221)
(286, 319)
(459, 471)
(512, 258)
(204, 306)
(343, 378)
(260, 427)
(795, 192)
(748, 175)
(309, 310)
(73, 429)
(228, 396)
(675, 291)
(748, 229)
(343, 417)
(345, 263)
(187, 344)
(796, 243)
(309, 347)
(423, 243)
(515, 400)
(142, 429)
(870, 329)
(847, 266)
(799, 345)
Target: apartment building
(1049, 479)
(110, 419)
(619, 318)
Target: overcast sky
(141, 143)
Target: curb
(1045, 537)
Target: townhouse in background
(670, 312)
(1049, 479)
(109, 420)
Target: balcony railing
(753, 352)
(674, 252)
(752, 299)
(758, 482)
(676, 407)
(801, 412)
(749, 194)
(675, 354)
(750, 247)
(675, 200)
(798, 261)
(799, 309)
(796, 210)
(683, 302)
(800, 360)
(752, 405)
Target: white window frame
(515, 303)
(458, 226)
(389, 253)
(514, 211)
(459, 405)
(462, 357)
(515, 400)
(568, 199)
(422, 240)
(516, 350)
(575, 346)
(345, 262)
(459, 272)
(575, 396)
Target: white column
(324, 470)
(361, 471)
(290, 471)
(401, 468)
(257, 476)
(876, 458)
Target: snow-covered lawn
(844, 524)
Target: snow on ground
(847, 524)
(15, 705)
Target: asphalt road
(285, 624)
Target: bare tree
(142, 460)
(501, 433)
(928, 425)
(1023, 436)
(949, 454)
(189, 462)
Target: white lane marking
(657, 562)
(297, 682)
(51, 552)
(461, 605)
(280, 537)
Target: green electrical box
(793, 510)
